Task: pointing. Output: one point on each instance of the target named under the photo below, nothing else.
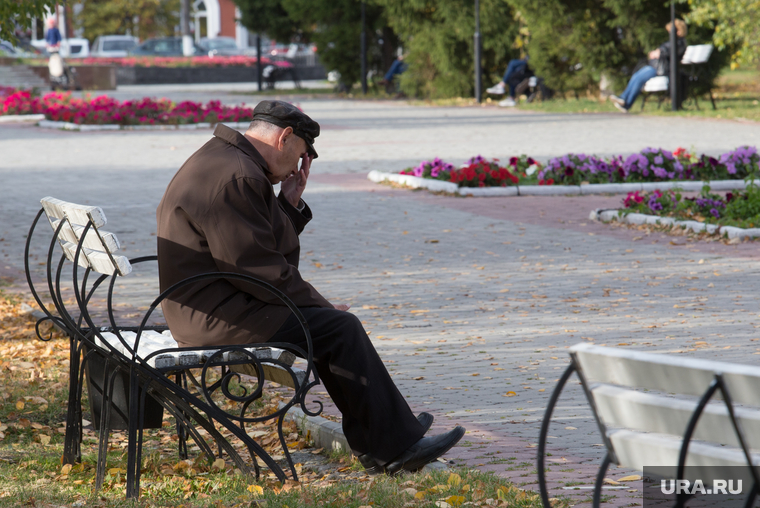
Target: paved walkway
(466, 298)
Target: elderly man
(220, 214)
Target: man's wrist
(301, 205)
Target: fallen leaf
(419, 378)
(66, 468)
(218, 464)
(571, 428)
(256, 490)
(510, 394)
(454, 479)
(44, 440)
(20, 405)
(630, 478)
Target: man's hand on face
(294, 185)
(342, 306)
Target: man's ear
(285, 137)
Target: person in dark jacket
(220, 214)
(659, 65)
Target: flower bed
(739, 209)
(650, 165)
(172, 61)
(478, 172)
(101, 110)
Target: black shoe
(371, 467)
(426, 420)
(425, 451)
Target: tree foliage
(141, 18)
(437, 36)
(735, 25)
(268, 17)
(336, 30)
(20, 12)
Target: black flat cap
(283, 114)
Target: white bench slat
(636, 450)
(99, 261)
(78, 214)
(91, 241)
(619, 407)
(697, 54)
(687, 376)
(656, 84)
(152, 341)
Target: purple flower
(659, 160)
(715, 213)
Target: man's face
(291, 149)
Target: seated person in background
(220, 214)
(659, 65)
(514, 74)
(397, 68)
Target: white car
(113, 46)
(73, 47)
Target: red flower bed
(176, 61)
(107, 110)
(483, 174)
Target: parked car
(164, 46)
(113, 45)
(221, 46)
(75, 47)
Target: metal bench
(135, 373)
(694, 59)
(656, 410)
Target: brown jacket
(220, 214)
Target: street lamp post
(364, 48)
(673, 58)
(478, 95)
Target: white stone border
(692, 225)
(21, 118)
(552, 190)
(68, 126)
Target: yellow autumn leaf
(44, 440)
(454, 479)
(116, 470)
(218, 464)
(20, 405)
(66, 469)
(419, 495)
(256, 490)
(630, 478)
(510, 394)
(455, 500)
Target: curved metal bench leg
(105, 427)
(600, 480)
(544, 432)
(751, 497)
(71, 444)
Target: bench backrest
(697, 54)
(98, 248)
(644, 402)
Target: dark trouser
(376, 418)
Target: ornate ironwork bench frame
(644, 428)
(161, 376)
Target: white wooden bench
(666, 411)
(694, 57)
(146, 363)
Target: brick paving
(467, 299)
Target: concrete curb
(21, 118)
(68, 126)
(730, 232)
(552, 190)
(329, 435)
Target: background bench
(655, 410)
(135, 373)
(694, 59)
